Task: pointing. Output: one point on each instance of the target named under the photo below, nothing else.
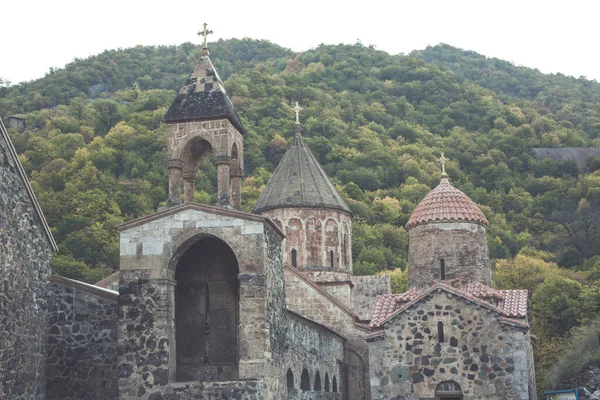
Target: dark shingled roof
(299, 181)
(203, 97)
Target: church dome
(299, 181)
(446, 203)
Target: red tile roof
(446, 203)
(508, 303)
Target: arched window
(290, 379)
(326, 382)
(331, 258)
(442, 269)
(318, 382)
(305, 380)
(294, 258)
(448, 390)
(441, 332)
(334, 385)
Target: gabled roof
(204, 208)
(446, 203)
(299, 181)
(511, 303)
(36, 206)
(203, 97)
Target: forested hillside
(95, 151)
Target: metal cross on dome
(442, 161)
(297, 110)
(205, 32)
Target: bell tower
(202, 121)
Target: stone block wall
(150, 252)
(317, 350)
(82, 342)
(462, 247)
(489, 359)
(316, 234)
(24, 271)
(365, 292)
(309, 300)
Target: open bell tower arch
(201, 120)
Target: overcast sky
(551, 35)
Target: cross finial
(205, 32)
(297, 110)
(442, 161)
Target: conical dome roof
(446, 203)
(299, 181)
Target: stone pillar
(189, 187)
(223, 166)
(174, 167)
(236, 187)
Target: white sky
(549, 35)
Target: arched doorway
(448, 390)
(206, 312)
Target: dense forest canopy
(95, 151)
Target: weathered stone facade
(458, 248)
(365, 291)
(189, 142)
(318, 242)
(152, 249)
(318, 351)
(446, 337)
(82, 341)
(25, 249)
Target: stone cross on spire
(205, 32)
(442, 161)
(297, 110)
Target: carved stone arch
(327, 385)
(317, 386)
(206, 311)
(357, 384)
(195, 150)
(332, 243)
(305, 380)
(294, 240)
(314, 242)
(448, 390)
(182, 243)
(289, 377)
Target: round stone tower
(303, 202)
(447, 240)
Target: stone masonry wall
(317, 350)
(150, 252)
(82, 343)
(489, 360)
(365, 292)
(334, 235)
(24, 270)
(462, 246)
(305, 299)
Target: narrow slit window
(331, 258)
(441, 332)
(442, 269)
(294, 258)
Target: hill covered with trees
(95, 151)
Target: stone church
(215, 303)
